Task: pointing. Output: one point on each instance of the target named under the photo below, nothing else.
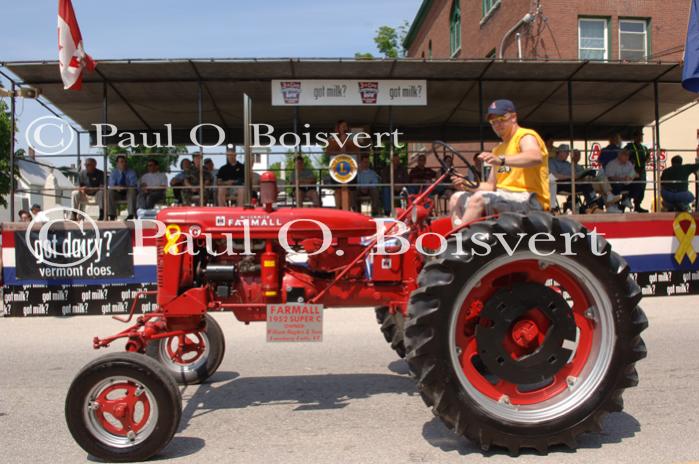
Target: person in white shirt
(151, 186)
(621, 172)
(38, 215)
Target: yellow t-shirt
(533, 179)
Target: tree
(389, 41)
(165, 156)
(5, 143)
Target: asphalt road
(345, 400)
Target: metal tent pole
(13, 128)
(572, 137)
(105, 199)
(481, 130)
(247, 139)
(200, 116)
(656, 148)
(78, 147)
(391, 154)
(297, 189)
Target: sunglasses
(499, 119)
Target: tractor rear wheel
(191, 358)
(525, 349)
(392, 328)
(123, 407)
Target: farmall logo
(291, 91)
(369, 92)
(255, 221)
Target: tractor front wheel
(123, 407)
(525, 349)
(191, 358)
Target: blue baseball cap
(500, 107)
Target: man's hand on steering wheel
(460, 184)
(441, 150)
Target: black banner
(70, 300)
(74, 254)
(668, 283)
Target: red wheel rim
(122, 408)
(183, 350)
(524, 338)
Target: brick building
(627, 30)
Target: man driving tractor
(518, 179)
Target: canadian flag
(71, 55)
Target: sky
(201, 29)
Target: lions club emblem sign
(343, 168)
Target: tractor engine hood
(265, 224)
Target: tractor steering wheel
(441, 149)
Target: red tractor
(512, 348)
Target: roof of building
(35, 174)
(143, 95)
(417, 23)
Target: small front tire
(191, 358)
(123, 407)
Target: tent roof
(143, 95)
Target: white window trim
(458, 49)
(606, 36)
(645, 35)
(490, 12)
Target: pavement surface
(345, 400)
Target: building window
(455, 28)
(489, 5)
(429, 50)
(593, 39)
(633, 39)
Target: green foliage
(389, 42)
(164, 156)
(5, 143)
(386, 41)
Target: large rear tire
(191, 358)
(392, 328)
(123, 407)
(520, 350)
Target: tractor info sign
(294, 322)
(349, 92)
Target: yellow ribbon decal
(685, 238)
(172, 233)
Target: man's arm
(529, 155)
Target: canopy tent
(579, 99)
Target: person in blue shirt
(611, 151)
(366, 179)
(122, 187)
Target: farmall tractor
(516, 349)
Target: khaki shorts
(501, 201)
